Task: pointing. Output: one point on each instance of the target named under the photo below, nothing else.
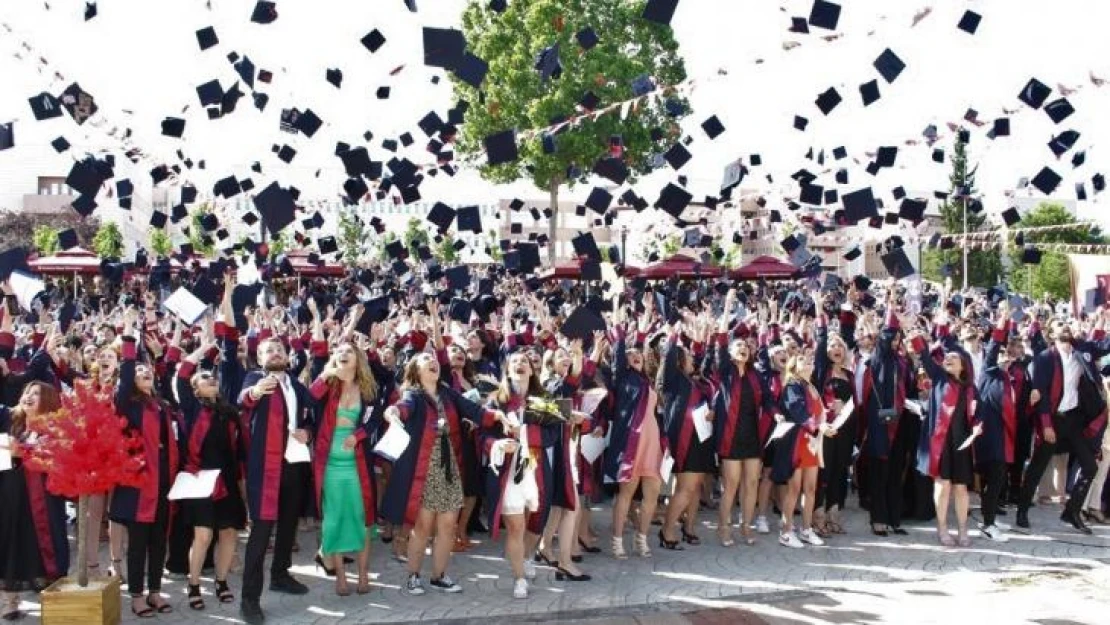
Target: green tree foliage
(45, 239)
(161, 243)
(494, 246)
(445, 251)
(352, 231)
(514, 97)
(108, 242)
(201, 247)
(387, 238)
(983, 266)
(18, 228)
(1051, 275)
(415, 235)
(279, 244)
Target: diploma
(914, 406)
(969, 440)
(591, 399)
(5, 452)
(666, 468)
(393, 444)
(781, 428)
(199, 485)
(592, 447)
(702, 425)
(296, 451)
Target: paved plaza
(1053, 576)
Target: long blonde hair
(364, 377)
(792, 371)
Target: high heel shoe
(540, 558)
(641, 545)
(688, 538)
(562, 575)
(673, 545)
(587, 548)
(618, 548)
(330, 572)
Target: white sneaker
(529, 570)
(995, 533)
(415, 586)
(809, 536)
(761, 525)
(520, 589)
(789, 539)
(1005, 527)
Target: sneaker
(761, 525)
(1005, 527)
(809, 536)
(414, 587)
(789, 539)
(520, 589)
(529, 569)
(446, 584)
(995, 533)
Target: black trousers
(886, 479)
(146, 551)
(290, 500)
(832, 483)
(1069, 428)
(994, 478)
(1023, 449)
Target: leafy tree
(108, 242)
(494, 246)
(45, 239)
(415, 235)
(670, 246)
(513, 96)
(18, 228)
(279, 244)
(352, 232)
(983, 266)
(1052, 275)
(445, 251)
(388, 238)
(161, 243)
(201, 247)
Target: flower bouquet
(542, 411)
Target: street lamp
(624, 244)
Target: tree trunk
(82, 530)
(553, 223)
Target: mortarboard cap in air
(889, 65)
(824, 15)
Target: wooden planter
(63, 603)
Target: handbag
(886, 415)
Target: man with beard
(278, 420)
(1070, 414)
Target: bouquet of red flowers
(84, 449)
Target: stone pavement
(1054, 575)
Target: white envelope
(5, 452)
(702, 425)
(592, 447)
(393, 443)
(666, 468)
(189, 486)
(185, 306)
(296, 451)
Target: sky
(142, 56)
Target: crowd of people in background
(414, 414)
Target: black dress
(745, 443)
(228, 512)
(21, 566)
(956, 466)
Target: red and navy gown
(404, 491)
(34, 550)
(802, 406)
(948, 422)
(682, 395)
(630, 390)
(743, 409)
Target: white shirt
(1072, 370)
(861, 368)
(290, 395)
(977, 361)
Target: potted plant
(84, 449)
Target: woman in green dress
(343, 467)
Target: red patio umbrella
(305, 269)
(679, 266)
(74, 261)
(766, 268)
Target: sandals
(726, 541)
(161, 608)
(945, 539)
(879, 530)
(587, 548)
(196, 602)
(146, 612)
(673, 545)
(117, 570)
(964, 541)
(834, 527)
(688, 538)
(1093, 514)
(363, 587)
(223, 593)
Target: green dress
(344, 526)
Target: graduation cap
(599, 200)
(1034, 93)
(458, 277)
(869, 92)
(660, 11)
(501, 147)
(582, 323)
(264, 12)
(969, 23)
(713, 127)
(441, 215)
(60, 144)
(443, 47)
(373, 40)
(912, 209)
(1011, 216)
(85, 177)
(308, 123)
(673, 199)
(7, 136)
(613, 169)
(828, 100)
(886, 156)
(206, 37)
(12, 260)
(824, 15)
(897, 263)
(45, 106)
(1063, 142)
(852, 254)
(1030, 255)
(334, 76)
(1046, 181)
(586, 247)
(677, 156)
(860, 205)
(1059, 110)
(246, 70)
(548, 63)
(469, 218)
(800, 123)
(472, 70)
(173, 127)
(276, 205)
(889, 65)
